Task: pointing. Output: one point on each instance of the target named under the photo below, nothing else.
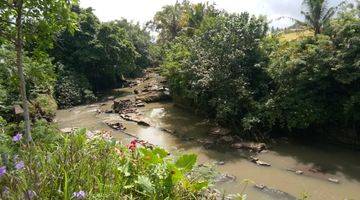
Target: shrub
(221, 69)
(69, 166)
(43, 106)
(39, 75)
(72, 90)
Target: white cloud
(143, 10)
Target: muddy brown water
(341, 164)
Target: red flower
(132, 145)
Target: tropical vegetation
(227, 66)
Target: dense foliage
(87, 165)
(39, 75)
(103, 52)
(233, 71)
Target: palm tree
(317, 14)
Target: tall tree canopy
(32, 21)
(317, 14)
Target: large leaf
(186, 162)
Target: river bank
(322, 172)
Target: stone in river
(260, 186)
(259, 162)
(115, 125)
(143, 123)
(262, 163)
(333, 180)
(299, 172)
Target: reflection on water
(333, 162)
(157, 113)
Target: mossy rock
(43, 106)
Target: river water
(332, 162)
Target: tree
(32, 21)
(180, 17)
(220, 69)
(317, 14)
(102, 52)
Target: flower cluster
(79, 195)
(2, 171)
(132, 145)
(17, 137)
(19, 165)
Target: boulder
(115, 125)
(119, 105)
(135, 118)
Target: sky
(143, 10)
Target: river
(332, 162)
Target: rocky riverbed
(283, 171)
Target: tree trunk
(19, 64)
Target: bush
(72, 90)
(39, 76)
(69, 166)
(221, 69)
(43, 106)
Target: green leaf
(186, 162)
(200, 185)
(145, 183)
(162, 153)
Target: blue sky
(143, 10)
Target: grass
(295, 35)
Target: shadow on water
(327, 159)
